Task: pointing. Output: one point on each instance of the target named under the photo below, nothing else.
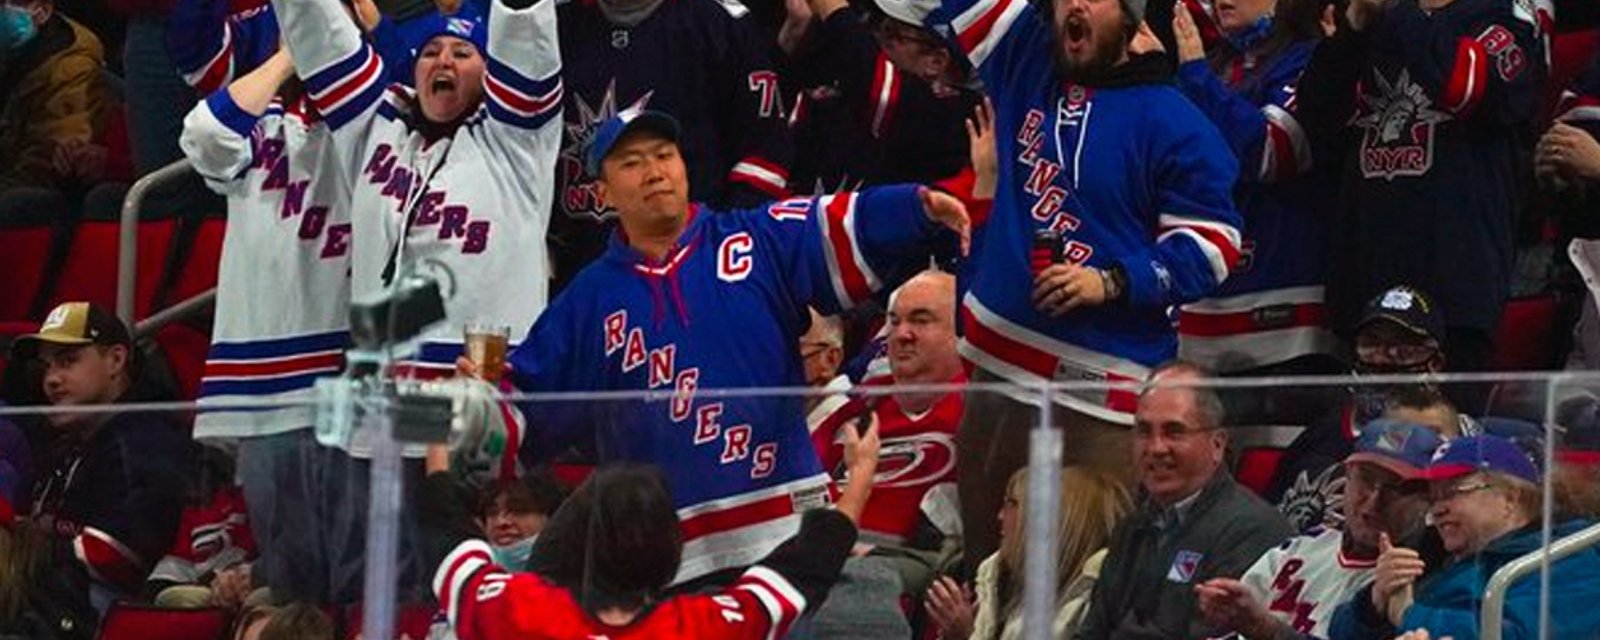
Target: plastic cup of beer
(486, 347)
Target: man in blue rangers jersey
(1132, 186)
(687, 298)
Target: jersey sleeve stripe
(1468, 78)
(886, 93)
(1219, 242)
(764, 176)
(853, 279)
(1578, 108)
(347, 87)
(782, 602)
(455, 572)
(981, 27)
(216, 72)
(1291, 151)
(107, 559)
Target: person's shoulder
(1240, 508)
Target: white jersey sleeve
(216, 139)
(523, 91)
(344, 75)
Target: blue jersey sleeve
(1007, 41)
(551, 360)
(840, 247)
(1198, 238)
(211, 47)
(1262, 131)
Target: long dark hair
(615, 542)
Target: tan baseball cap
(74, 323)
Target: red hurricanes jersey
(486, 603)
(918, 453)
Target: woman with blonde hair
(1092, 503)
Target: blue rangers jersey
(1129, 172)
(470, 209)
(722, 311)
(1270, 310)
(212, 44)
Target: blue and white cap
(625, 122)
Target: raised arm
(216, 133)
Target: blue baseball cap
(1464, 456)
(1402, 447)
(625, 122)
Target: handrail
(128, 250)
(171, 314)
(1494, 596)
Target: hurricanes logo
(1399, 120)
(576, 186)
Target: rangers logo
(575, 186)
(1399, 119)
(1184, 566)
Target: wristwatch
(1115, 281)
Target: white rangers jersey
(1305, 579)
(474, 206)
(283, 289)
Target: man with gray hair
(821, 354)
(1194, 522)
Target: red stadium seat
(199, 271)
(24, 255)
(136, 622)
(572, 475)
(185, 348)
(90, 271)
(1527, 337)
(1257, 465)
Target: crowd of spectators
(882, 201)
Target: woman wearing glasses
(1486, 504)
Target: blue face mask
(1247, 38)
(16, 28)
(514, 556)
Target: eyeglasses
(1400, 354)
(1381, 485)
(1170, 431)
(1442, 494)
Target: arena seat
(1261, 450)
(185, 348)
(198, 273)
(24, 257)
(1527, 336)
(90, 270)
(138, 622)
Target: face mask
(1252, 35)
(16, 28)
(514, 556)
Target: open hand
(1190, 46)
(980, 139)
(1228, 605)
(952, 608)
(947, 210)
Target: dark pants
(308, 511)
(993, 444)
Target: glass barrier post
(383, 517)
(1039, 525)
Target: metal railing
(1494, 596)
(128, 250)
